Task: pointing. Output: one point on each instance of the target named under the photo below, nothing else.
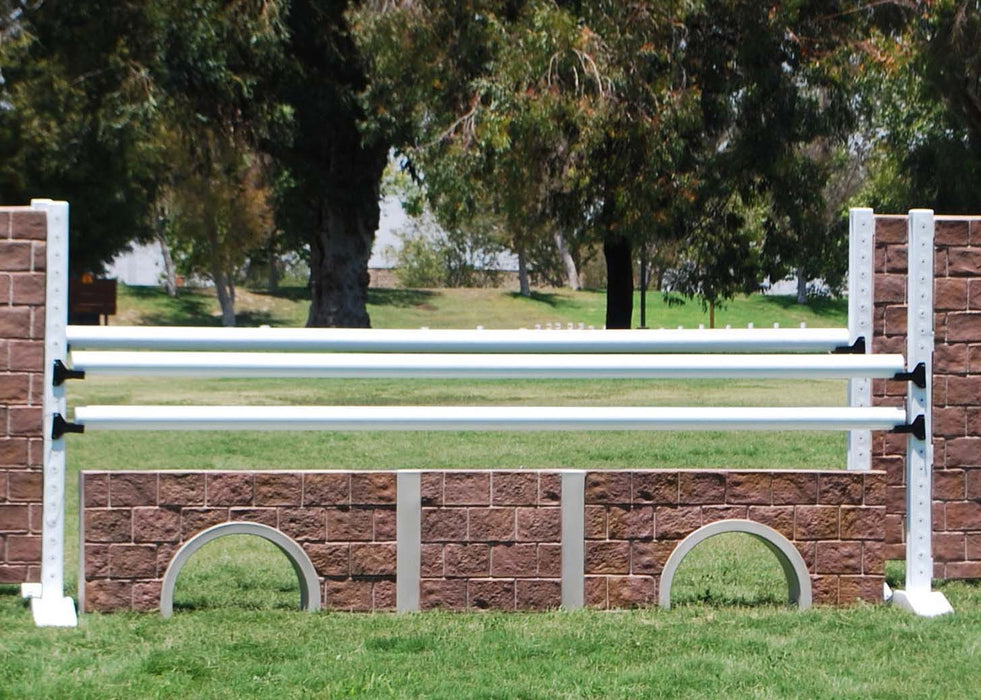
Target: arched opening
(241, 571)
(735, 565)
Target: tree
(75, 119)
(219, 209)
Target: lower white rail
(484, 418)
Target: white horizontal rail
(483, 418)
(449, 341)
(401, 365)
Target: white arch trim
(792, 563)
(305, 571)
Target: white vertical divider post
(861, 256)
(408, 535)
(918, 597)
(573, 539)
(49, 605)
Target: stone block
(233, 489)
(840, 489)
(181, 489)
(444, 524)
(115, 525)
(353, 596)
(305, 523)
(675, 523)
(538, 594)
(696, 488)
(326, 489)
(608, 557)
(443, 594)
(539, 524)
(277, 489)
(373, 488)
(491, 594)
(834, 557)
(608, 487)
(466, 488)
(631, 591)
(630, 523)
(816, 522)
(466, 560)
(330, 559)
(155, 525)
(195, 520)
(491, 524)
(514, 560)
(350, 524)
(514, 489)
(660, 488)
(132, 561)
(373, 559)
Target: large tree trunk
(338, 173)
(339, 252)
(568, 264)
(170, 274)
(619, 281)
(801, 286)
(524, 287)
(224, 284)
(226, 297)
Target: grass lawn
(237, 634)
(466, 308)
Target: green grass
(466, 308)
(236, 632)
(690, 651)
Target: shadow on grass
(402, 298)
(819, 306)
(298, 293)
(555, 301)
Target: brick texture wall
(489, 539)
(22, 295)
(634, 520)
(134, 523)
(956, 389)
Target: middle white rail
(493, 366)
(484, 418)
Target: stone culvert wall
(956, 389)
(22, 297)
(489, 539)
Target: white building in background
(143, 266)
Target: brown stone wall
(134, 523)
(634, 520)
(22, 297)
(491, 540)
(956, 389)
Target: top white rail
(456, 341)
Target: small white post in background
(861, 253)
(918, 597)
(50, 606)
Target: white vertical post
(861, 255)
(573, 539)
(52, 608)
(918, 598)
(408, 535)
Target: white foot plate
(930, 604)
(54, 612)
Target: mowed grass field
(237, 633)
